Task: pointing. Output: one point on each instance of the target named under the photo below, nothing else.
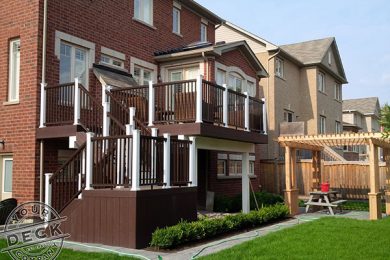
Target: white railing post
(167, 161)
(136, 170)
(76, 101)
(151, 104)
(199, 97)
(128, 151)
(89, 162)
(264, 116)
(131, 116)
(106, 119)
(153, 153)
(247, 126)
(42, 120)
(48, 190)
(80, 185)
(225, 105)
(129, 129)
(193, 163)
(245, 183)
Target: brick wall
(236, 58)
(20, 19)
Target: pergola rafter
(316, 143)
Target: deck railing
(236, 109)
(60, 104)
(69, 180)
(212, 102)
(180, 162)
(256, 115)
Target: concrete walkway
(216, 246)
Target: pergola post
(291, 192)
(316, 169)
(374, 195)
(386, 156)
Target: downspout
(41, 150)
(267, 100)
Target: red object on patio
(325, 187)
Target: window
(221, 167)
(203, 32)
(251, 167)
(235, 167)
(251, 89)
(235, 82)
(142, 75)
(338, 129)
(322, 125)
(221, 77)
(176, 20)
(279, 68)
(321, 82)
(329, 58)
(184, 74)
(337, 92)
(73, 64)
(111, 61)
(288, 116)
(143, 11)
(14, 70)
(7, 165)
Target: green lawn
(326, 238)
(74, 255)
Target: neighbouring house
(305, 85)
(116, 113)
(360, 115)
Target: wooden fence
(351, 179)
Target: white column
(129, 151)
(89, 162)
(247, 126)
(129, 129)
(225, 105)
(42, 120)
(104, 95)
(167, 161)
(48, 190)
(120, 162)
(136, 171)
(153, 153)
(80, 185)
(245, 183)
(193, 162)
(199, 97)
(131, 116)
(264, 116)
(76, 101)
(151, 104)
(106, 119)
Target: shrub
(234, 204)
(184, 232)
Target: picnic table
(325, 199)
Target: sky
(361, 28)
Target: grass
(74, 255)
(326, 238)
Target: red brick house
(119, 99)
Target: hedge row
(184, 232)
(234, 204)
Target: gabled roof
(313, 53)
(202, 11)
(202, 48)
(365, 106)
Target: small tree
(385, 120)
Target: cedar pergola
(316, 144)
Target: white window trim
(116, 54)
(281, 75)
(322, 131)
(5, 158)
(206, 36)
(90, 46)
(141, 63)
(166, 68)
(234, 69)
(339, 87)
(10, 68)
(175, 7)
(323, 90)
(151, 16)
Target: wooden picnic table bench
(324, 199)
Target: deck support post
(42, 119)
(225, 105)
(386, 156)
(48, 192)
(316, 169)
(291, 192)
(193, 164)
(246, 112)
(132, 111)
(106, 119)
(136, 170)
(167, 161)
(76, 101)
(89, 162)
(151, 104)
(264, 116)
(245, 183)
(374, 196)
(199, 99)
